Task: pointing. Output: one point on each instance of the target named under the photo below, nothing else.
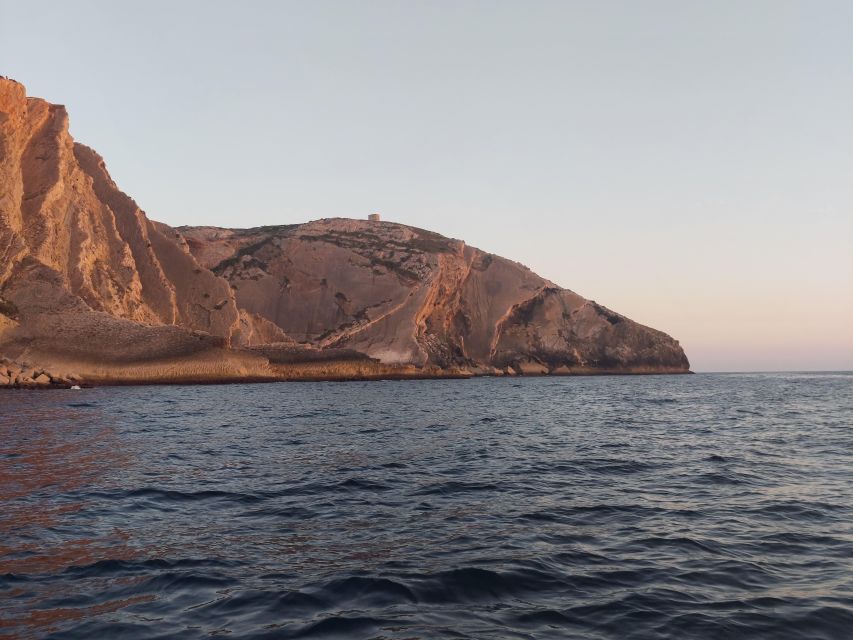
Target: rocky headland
(92, 291)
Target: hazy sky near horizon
(688, 164)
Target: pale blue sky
(687, 164)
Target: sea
(711, 506)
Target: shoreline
(372, 377)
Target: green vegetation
(431, 242)
(8, 309)
(273, 228)
(249, 249)
(425, 241)
(610, 316)
(394, 267)
(484, 262)
(348, 239)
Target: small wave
(729, 574)
(296, 603)
(474, 584)
(615, 465)
(545, 617)
(361, 484)
(288, 512)
(343, 627)
(720, 478)
(681, 543)
(717, 458)
(361, 591)
(172, 495)
(826, 622)
(170, 580)
(749, 412)
(811, 511)
(113, 567)
(583, 514)
(454, 487)
(801, 540)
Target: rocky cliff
(91, 289)
(409, 296)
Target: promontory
(92, 291)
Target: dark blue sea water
(704, 506)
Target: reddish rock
(409, 296)
(89, 283)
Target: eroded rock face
(88, 283)
(410, 296)
(83, 271)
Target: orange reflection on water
(48, 619)
(49, 455)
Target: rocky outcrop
(88, 283)
(84, 274)
(409, 296)
(23, 375)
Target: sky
(687, 164)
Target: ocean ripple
(705, 506)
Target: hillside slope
(409, 296)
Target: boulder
(531, 368)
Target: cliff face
(84, 274)
(409, 296)
(60, 209)
(87, 281)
